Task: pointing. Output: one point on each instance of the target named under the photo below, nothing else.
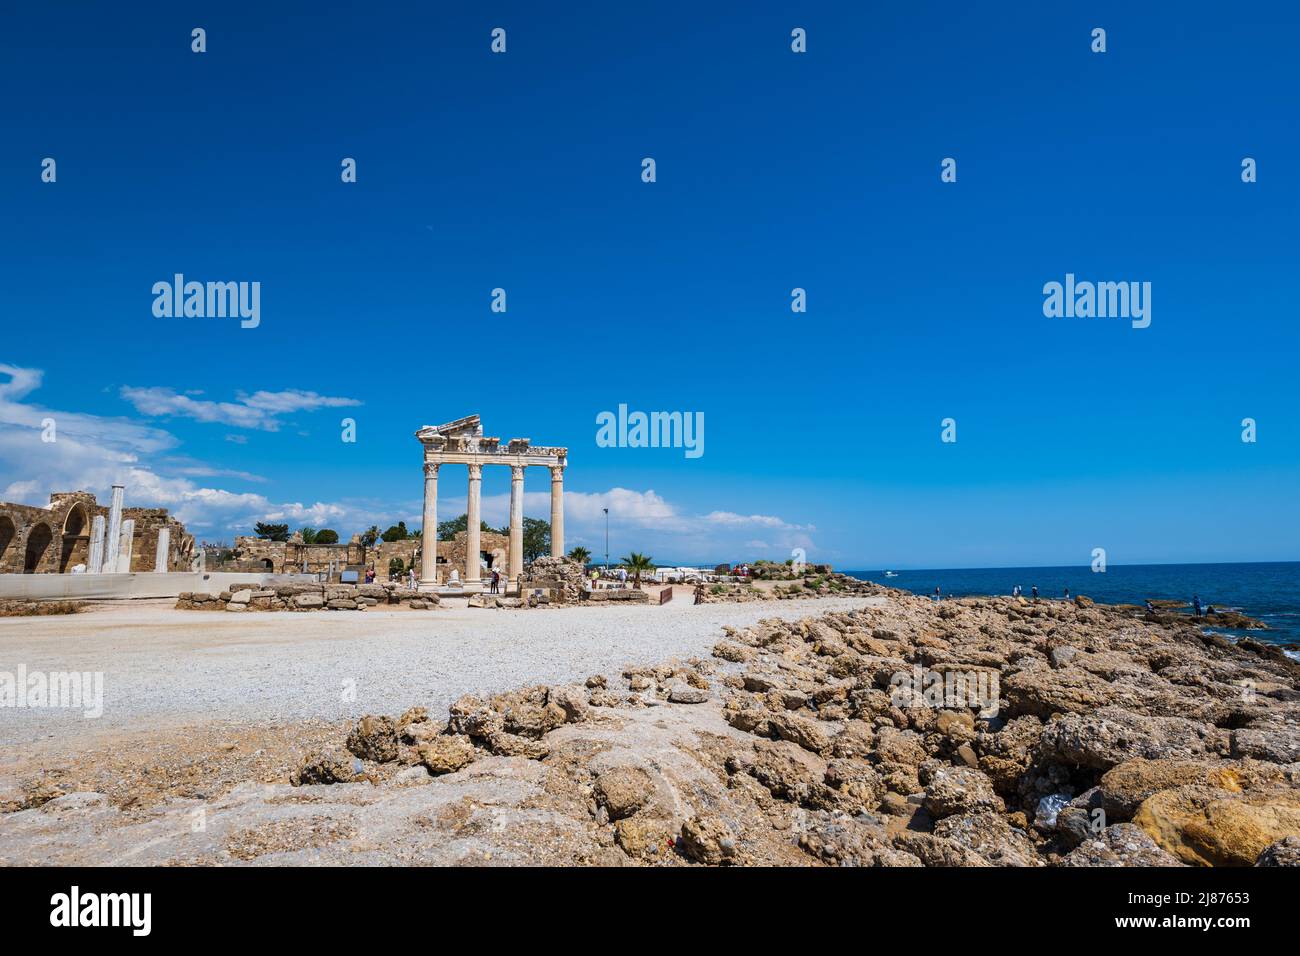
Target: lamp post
(606, 510)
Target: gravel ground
(162, 666)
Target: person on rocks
(1196, 604)
(1034, 591)
(1067, 594)
(938, 595)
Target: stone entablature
(73, 530)
(461, 442)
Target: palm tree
(581, 555)
(638, 563)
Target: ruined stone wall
(56, 539)
(495, 546)
(286, 557)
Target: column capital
(431, 469)
(517, 472)
(475, 472)
(557, 472)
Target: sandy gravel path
(167, 667)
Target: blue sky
(774, 171)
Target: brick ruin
(57, 539)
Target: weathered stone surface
(707, 839)
(1110, 735)
(447, 754)
(1215, 827)
(1120, 845)
(374, 738)
(958, 790)
(331, 765)
(1285, 852)
(623, 791)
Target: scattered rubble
(307, 597)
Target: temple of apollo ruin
(462, 443)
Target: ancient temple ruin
(75, 533)
(462, 443)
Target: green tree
(537, 538)
(271, 532)
(308, 535)
(581, 555)
(395, 567)
(396, 532)
(449, 529)
(638, 564)
(327, 536)
(370, 536)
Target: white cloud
(260, 410)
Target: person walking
(496, 580)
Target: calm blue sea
(1270, 592)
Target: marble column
(557, 511)
(160, 561)
(429, 531)
(473, 527)
(125, 541)
(95, 563)
(113, 541)
(516, 523)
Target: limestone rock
(1214, 827)
(331, 765)
(708, 840)
(374, 738)
(447, 754)
(1120, 845)
(959, 790)
(622, 791)
(1285, 852)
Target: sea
(1267, 591)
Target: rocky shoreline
(976, 732)
(1092, 739)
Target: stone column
(429, 532)
(113, 541)
(557, 511)
(516, 523)
(160, 558)
(95, 563)
(125, 541)
(472, 527)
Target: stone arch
(75, 544)
(8, 532)
(38, 543)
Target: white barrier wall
(106, 587)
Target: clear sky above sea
(775, 170)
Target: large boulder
(1110, 735)
(330, 765)
(1126, 786)
(958, 790)
(1120, 845)
(447, 754)
(622, 791)
(374, 738)
(1215, 827)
